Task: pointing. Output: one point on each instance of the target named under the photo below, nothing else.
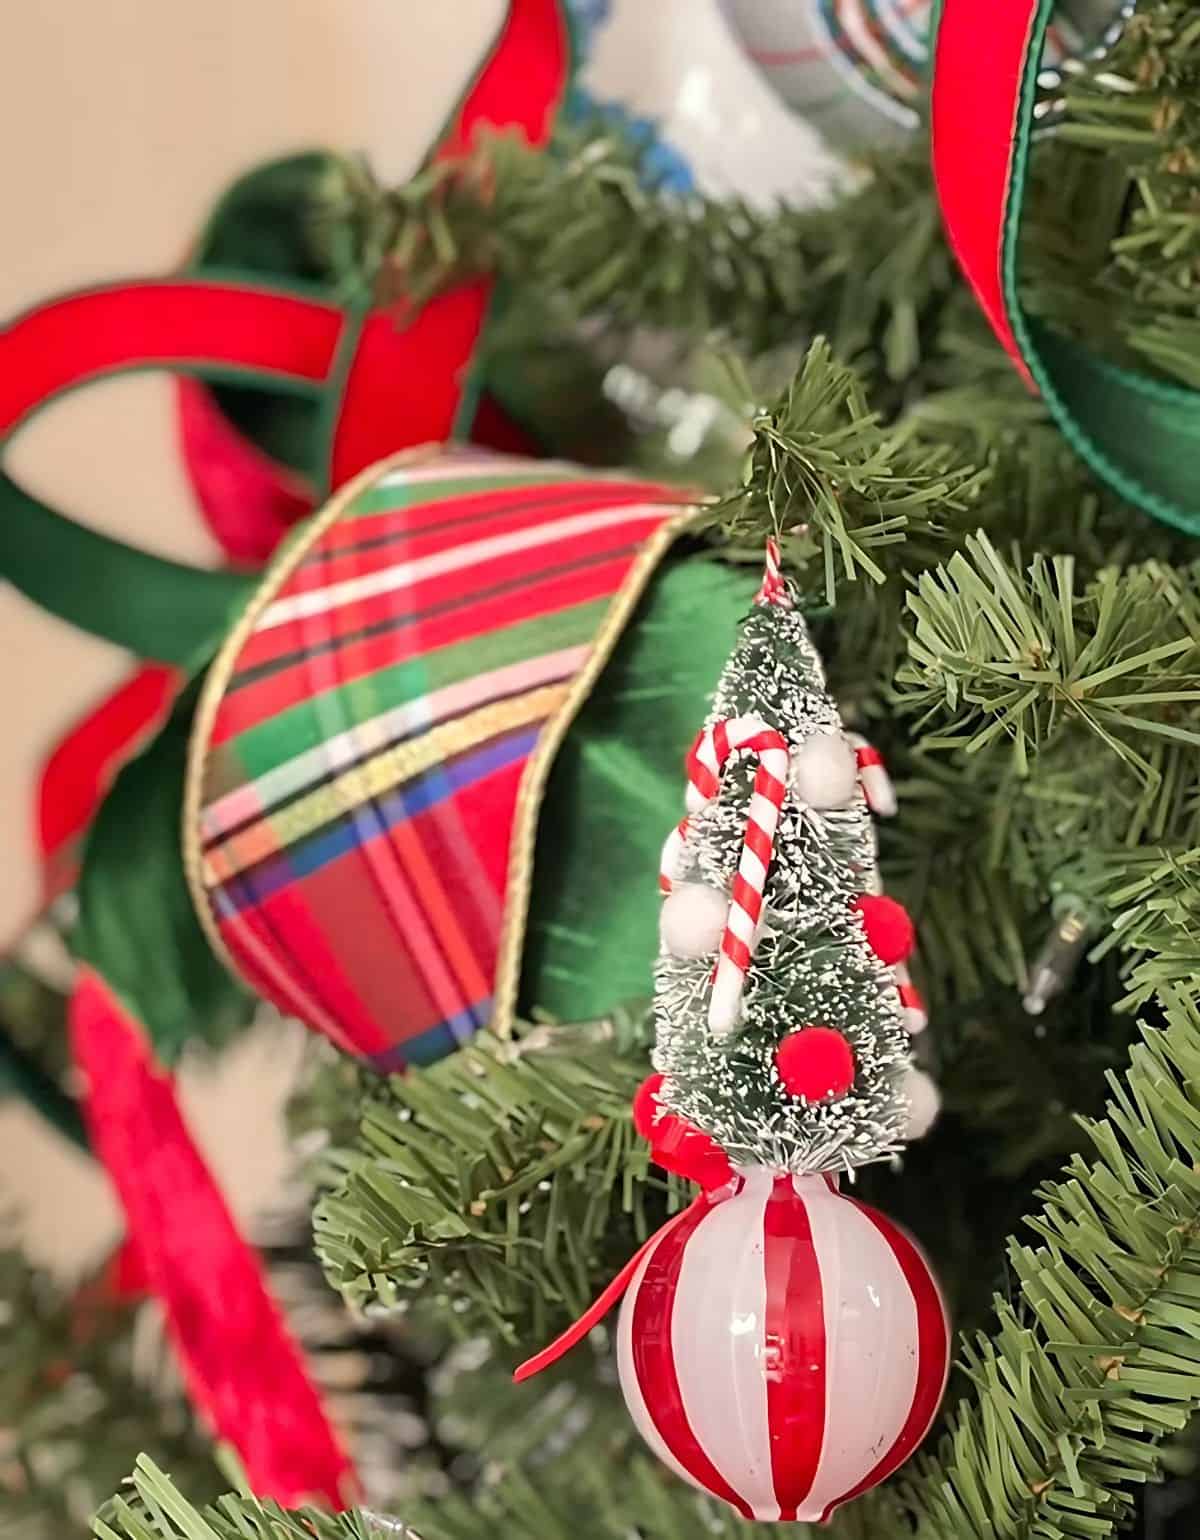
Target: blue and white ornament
(856, 68)
(670, 73)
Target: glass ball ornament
(856, 69)
(783, 1347)
(672, 74)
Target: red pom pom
(645, 1106)
(816, 1063)
(676, 1144)
(889, 930)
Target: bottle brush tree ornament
(781, 1345)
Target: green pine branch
(504, 1183)
(1150, 899)
(837, 485)
(1115, 253)
(1094, 1363)
(581, 224)
(155, 1510)
(1112, 249)
(1002, 650)
(592, 1507)
(1032, 686)
(1095, 1360)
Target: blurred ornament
(664, 166)
(856, 68)
(783, 1348)
(671, 74)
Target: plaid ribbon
(363, 753)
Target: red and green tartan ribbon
(1141, 435)
(361, 803)
(383, 384)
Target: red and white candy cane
(703, 766)
(749, 734)
(774, 589)
(668, 866)
(873, 777)
(913, 1011)
(704, 763)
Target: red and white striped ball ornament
(783, 1347)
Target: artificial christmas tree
(1013, 630)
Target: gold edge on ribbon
(518, 888)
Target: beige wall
(120, 121)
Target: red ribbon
(979, 65)
(611, 1296)
(242, 1368)
(403, 384)
(77, 775)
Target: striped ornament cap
(783, 1346)
(371, 748)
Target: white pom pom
(924, 1103)
(693, 798)
(693, 920)
(823, 771)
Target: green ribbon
(1139, 434)
(155, 608)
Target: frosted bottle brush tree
(808, 1068)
